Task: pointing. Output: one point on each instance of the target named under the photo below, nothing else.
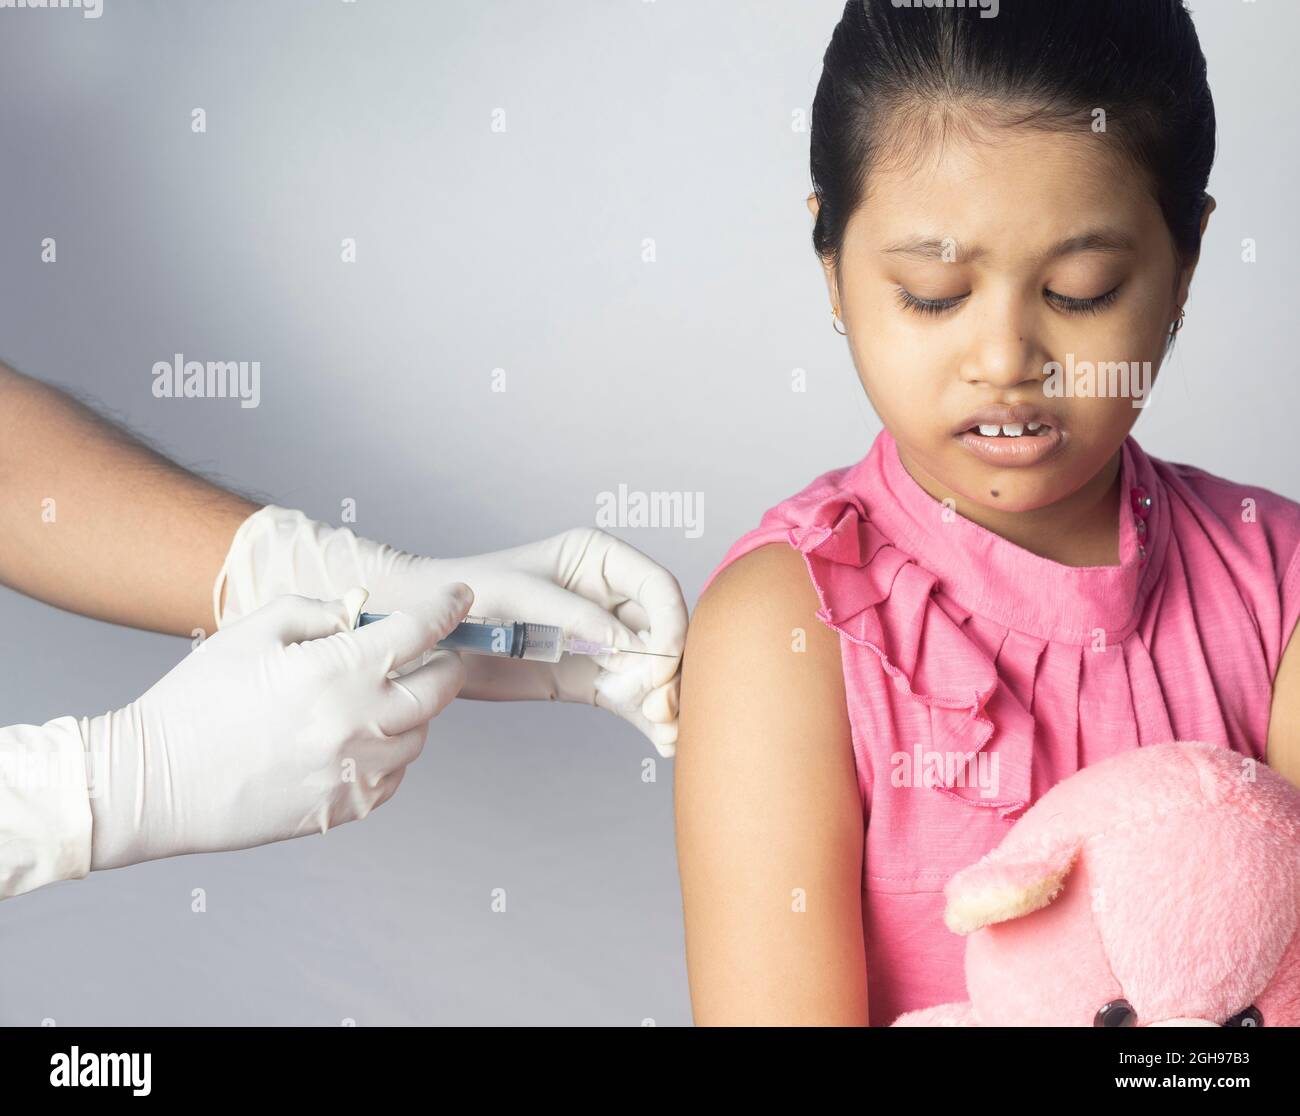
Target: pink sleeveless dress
(978, 674)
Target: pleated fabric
(978, 674)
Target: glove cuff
(45, 821)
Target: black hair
(894, 66)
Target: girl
(902, 657)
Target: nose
(1183, 1021)
(1004, 352)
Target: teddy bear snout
(1188, 1021)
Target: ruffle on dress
(879, 598)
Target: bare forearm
(94, 522)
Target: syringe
(517, 639)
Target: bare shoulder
(761, 674)
(761, 612)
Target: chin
(1018, 490)
(1012, 497)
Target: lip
(1006, 452)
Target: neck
(1079, 530)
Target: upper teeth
(1009, 429)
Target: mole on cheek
(993, 491)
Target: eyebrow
(1093, 240)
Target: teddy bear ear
(1008, 883)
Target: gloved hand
(281, 724)
(589, 583)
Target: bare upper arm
(1283, 753)
(768, 811)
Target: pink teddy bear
(1160, 887)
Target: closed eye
(1069, 305)
(909, 301)
(1083, 305)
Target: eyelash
(1083, 306)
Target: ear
(1185, 276)
(1007, 883)
(832, 284)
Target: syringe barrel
(506, 639)
(543, 643)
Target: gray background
(626, 120)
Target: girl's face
(967, 272)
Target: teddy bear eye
(1247, 1017)
(1117, 1013)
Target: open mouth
(1011, 430)
(1013, 444)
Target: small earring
(835, 322)
(1182, 317)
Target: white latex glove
(44, 810)
(282, 724)
(589, 583)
